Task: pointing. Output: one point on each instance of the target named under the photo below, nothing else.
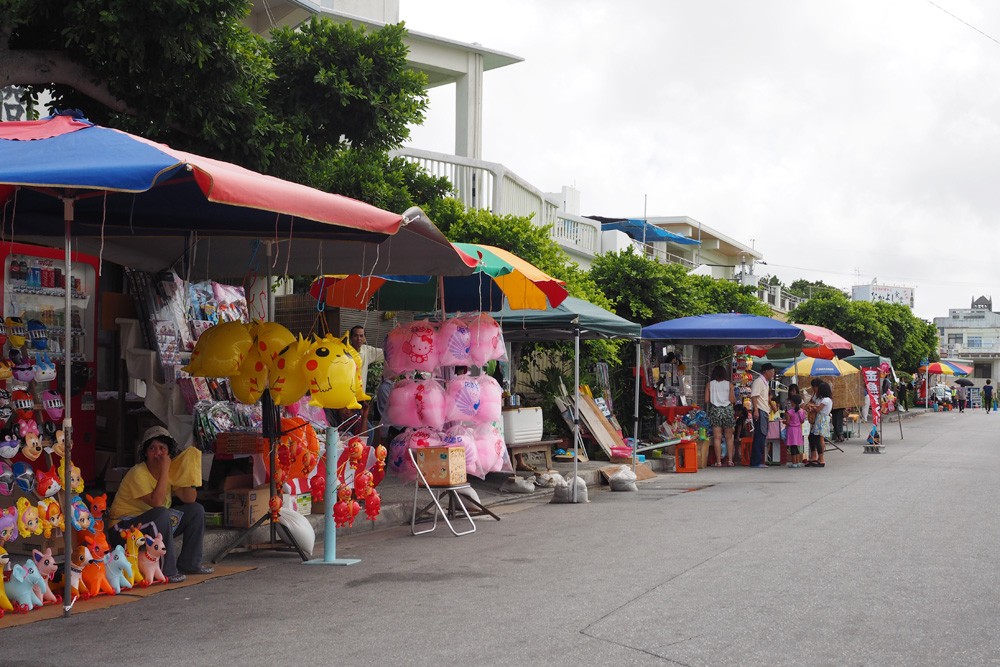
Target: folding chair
(456, 506)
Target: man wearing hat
(145, 499)
(761, 408)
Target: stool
(686, 456)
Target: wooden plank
(598, 425)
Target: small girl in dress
(794, 417)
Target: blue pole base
(335, 561)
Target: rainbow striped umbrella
(810, 366)
(945, 368)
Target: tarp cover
(724, 329)
(641, 230)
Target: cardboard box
(243, 507)
(304, 503)
(23, 546)
(442, 466)
(113, 479)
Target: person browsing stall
(761, 407)
(719, 397)
(822, 406)
(145, 497)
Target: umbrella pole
(67, 416)
(635, 429)
(576, 408)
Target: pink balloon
(421, 347)
(463, 398)
(490, 399)
(486, 340)
(463, 436)
(455, 342)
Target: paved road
(874, 560)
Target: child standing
(794, 417)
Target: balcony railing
(778, 298)
(660, 254)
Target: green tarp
(558, 323)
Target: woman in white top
(820, 431)
(719, 398)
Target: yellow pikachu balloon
(330, 370)
(270, 338)
(359, 384)
(251, 380)
(220, 350)
(287, 383)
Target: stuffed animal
(47, 567)
(5, 604)
(118, 569)
(21, 587)
(94, 575)
(149, 560)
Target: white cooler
(522, 425)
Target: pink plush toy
(149, 560)
(486, 340)
(455, 342)
(421, 347)
(463, 397)
(490, 400)
(463, 436)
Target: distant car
(940, 391)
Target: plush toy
(420, 347)
(332, 374)
(21, 587)
(135, 540)
(490, 400)
(98, 505)
(455, 342)
(28, 523)
(7, 482)
(47, 567)
(5, 604)
(80, 559)
(51, 516)
(287, 383)
(16, 331)
(220, 350)
(149, 560)
(8, 525)
(47, 484)
(118, 570)
(486, 340)
(463, 398)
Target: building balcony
(778, 299)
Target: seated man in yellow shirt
(145, 497)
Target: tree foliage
(888, 329)
(321, 104)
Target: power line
(963, 21)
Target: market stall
(140, 204)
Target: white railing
(582, 234)
(660, 254)
(779, 299)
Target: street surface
(890, 559)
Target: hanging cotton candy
(464, 436)
(402, 409)
(490, 447)
(455, 342)
(424, 437)
(396, 362)
(429, 399)
(421, 347)
(398, 460)
(486, 340)
(462, 398)
(490, 399)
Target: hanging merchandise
(50, 513)
(231, 302)
(332, 374)
(47, 484)
(486, 340)
(742, 378)
(420, 347)
(80, 517)
(23, 366)
(251, 379)
(8, 524)
(10, 445)
(44, 369)
(455, 342)
(396, 363)
(463, 399)
(16, 331)
(52, 405)
(491, 400)
(287, 383)
(27, 514)
(6, 369)
(6, 479)
(463, 436)
(492, 451)
(270, 338)
(417, 403)
(359, 382)
(37, 334)
(399, 462)
(75, 481)
(220, 350)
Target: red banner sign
(871, 376)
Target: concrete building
(972, 336)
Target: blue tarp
(724, 329)
(637, 228)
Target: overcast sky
(846, 136)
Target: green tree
(321, 104)
(810, 288)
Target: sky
(850, 140)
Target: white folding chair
(436, 493)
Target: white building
(874, 293)
(972, 335)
